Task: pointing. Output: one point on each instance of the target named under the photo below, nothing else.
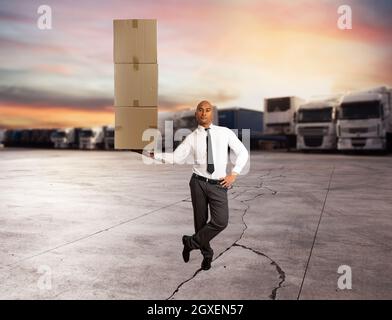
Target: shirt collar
(201, 128)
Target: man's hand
(228, 181)
(151, 154)
(148, 153)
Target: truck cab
(2, 137)
(316, 125)
(364, 121)
(108, 137)
(63, 138)
(91, 138)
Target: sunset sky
(234, 53)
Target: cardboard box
(130, 124)
(135, 85)
(135, 41)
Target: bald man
(209, 182)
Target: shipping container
(239, 118)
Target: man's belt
(212, 181)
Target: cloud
(20, 116)
(13, 17)
(40, 98)
(14, 44)
(191, 99)
(54, 68)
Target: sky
(233, 53)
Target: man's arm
(179, 155)
(241, 152)
(242, 158)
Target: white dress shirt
(195, 146)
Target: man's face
(204, 115)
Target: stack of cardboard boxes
(135, 81)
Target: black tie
(210, 157)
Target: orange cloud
(45, 117)
(54, 68)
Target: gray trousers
(205, 194)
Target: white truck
(316, 124)
(2, 137)
(365, 120)
(91, 138)
(64, 138)
(108, 136)
(279, 117)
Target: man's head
(204, 114)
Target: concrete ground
(103, 225)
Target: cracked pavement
(105, 226)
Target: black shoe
(206, 263)
(186, 251)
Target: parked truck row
(169, 123)
(62, 138)
(359, 120)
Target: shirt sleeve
(241, 152)
(179, 155)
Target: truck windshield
(59, 134)
(278, 104)
(110, 133)
(315, 115)
(87, 133)
(360, 110)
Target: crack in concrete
(282, 275)
(182, 283)
(272, 190)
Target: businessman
(208, 144)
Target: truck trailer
(239, 119)
(279, 117)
